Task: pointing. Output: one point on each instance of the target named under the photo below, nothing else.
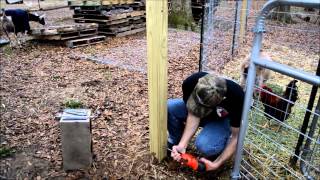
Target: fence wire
(276, 116)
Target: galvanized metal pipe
(246, 106)
(289, 71)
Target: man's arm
(226, 154)
(190, 129)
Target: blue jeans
(213, 137)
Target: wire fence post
(236, 27)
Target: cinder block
(76, 139)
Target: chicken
(276, 107)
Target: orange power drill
(192, 162)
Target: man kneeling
(210, 102)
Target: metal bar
(281, 146)
(235, 36)
(305, 123)
(256, 171)
(284, 124)
(289, 71)
(260, 162)
(243, 175)
(252, 176)
(246, 107)
(273, 159)
(201, 37)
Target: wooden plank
(157, 38)
(116, 2)
(85, 41)
(109, 2)
(55, 30)
(107, 17)
(69, 35)
(122, 34)
(136, 13)
(85, 3)
(100, 21)
(243, 17)
(84, 33)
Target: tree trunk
(181, 14)
(182, 5)
(282, 14)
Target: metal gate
(265, 153)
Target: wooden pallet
(112, 17)
(136, 6)
(76, 3)
(68, 35)
(108, 22)
(122, 28)
(116, 2)
(121, 34)
(85, 41)
(100, 16)
(84, 3)
(55, 30)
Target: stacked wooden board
(114, 17)
(71, 35)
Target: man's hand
(176, 150)
(211, 166)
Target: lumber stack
(71, 35)
(114, 17)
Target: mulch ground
(38, 79)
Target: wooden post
(157, 32)
(243, 18)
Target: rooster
(276, 107)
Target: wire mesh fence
(278, 118)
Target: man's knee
(177, 108)
(208, 146)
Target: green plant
(5, 152)
(107, 75)
(275, 88)
(73, 104)
(7, 50)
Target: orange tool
(192, 162)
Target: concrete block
(76, 139)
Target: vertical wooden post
(157, 32)
(243, 18)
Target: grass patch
(73, 104)
(108, 75)
(7, 50)
(6, 152)
(276, 89)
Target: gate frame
(255, 60)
